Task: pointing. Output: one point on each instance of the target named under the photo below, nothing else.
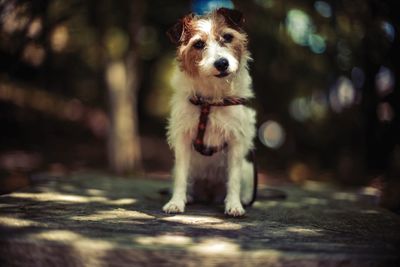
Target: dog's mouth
(222, 74)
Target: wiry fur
(234, 125)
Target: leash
(198, 142)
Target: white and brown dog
(210, 129)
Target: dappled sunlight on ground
(116, 214)
(204, 222)
(56, 196)
(80, 248)
(94, 213)
(167, 239)
(216, 246)
(304, 231)
(16, 222)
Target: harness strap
(205, 108)
(198, 143)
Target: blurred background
(86, 85)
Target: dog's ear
(233, 17)
(175, 33)
(179, 31)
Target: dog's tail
(266, 193)
(252, 158)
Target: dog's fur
(234, 125)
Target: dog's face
(212, 45)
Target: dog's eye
(227, 37)
(199, 44)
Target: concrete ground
(91, 219)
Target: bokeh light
(323, 8)
(59, 38)
(34, 54)
(300, 109)
(389, 30)
(342, 94)
(299, 172)
(117, 41)
(385, 112)
(384, 81)
(299, 26)
(272, 134)
(319, 105)
(35, 28)
(13, 17)
(304, 108)
(316, 43)
(302, 31)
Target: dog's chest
(222, 123)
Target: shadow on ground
(94, 219)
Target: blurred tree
(325, 71)
(124, 152)
(59, 46)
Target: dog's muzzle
(222, 66)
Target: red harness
(205, 107)
(198, 143)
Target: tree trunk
(124, 151)
(123, 143)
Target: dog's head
(210, 46)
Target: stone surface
(94, 220)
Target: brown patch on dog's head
(189, 58)
(196, 36)
(230, 21)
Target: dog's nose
(221, 64)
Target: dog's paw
(234, 209)
(174, 206)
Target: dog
(210, 129)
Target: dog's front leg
(181, 172)
(233, 205)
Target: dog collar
(227, 101)
(205, 107)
